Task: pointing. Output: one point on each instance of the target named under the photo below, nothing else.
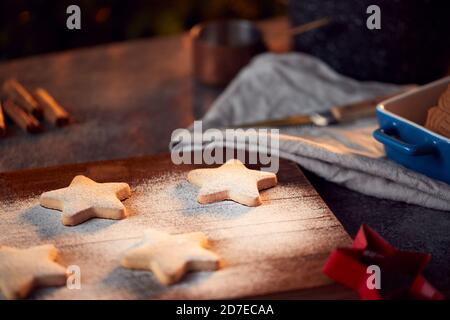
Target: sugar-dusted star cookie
(231, 181)
(169, 257)
(21, 270)
(85, 199)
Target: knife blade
(337, 114)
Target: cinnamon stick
(24, 120)
(17, 92)
(53, 112)
(2, 122)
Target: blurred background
(411, 47)
(29, 27)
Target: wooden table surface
(127, 98)
(276, 247)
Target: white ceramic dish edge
(382, 106)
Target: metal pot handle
(385, 138)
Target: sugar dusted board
(277, 247)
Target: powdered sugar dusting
(279, 245)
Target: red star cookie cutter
(400, 271)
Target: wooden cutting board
(279, 246)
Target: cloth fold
(275, 86)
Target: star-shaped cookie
(231, 181)
(85, 199)
(21, 270)
(169, 257)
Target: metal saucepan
(221, 48)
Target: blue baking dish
(406, 140)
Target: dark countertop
(127, 98)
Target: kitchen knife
(338, 114)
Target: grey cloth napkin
(274, 86)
